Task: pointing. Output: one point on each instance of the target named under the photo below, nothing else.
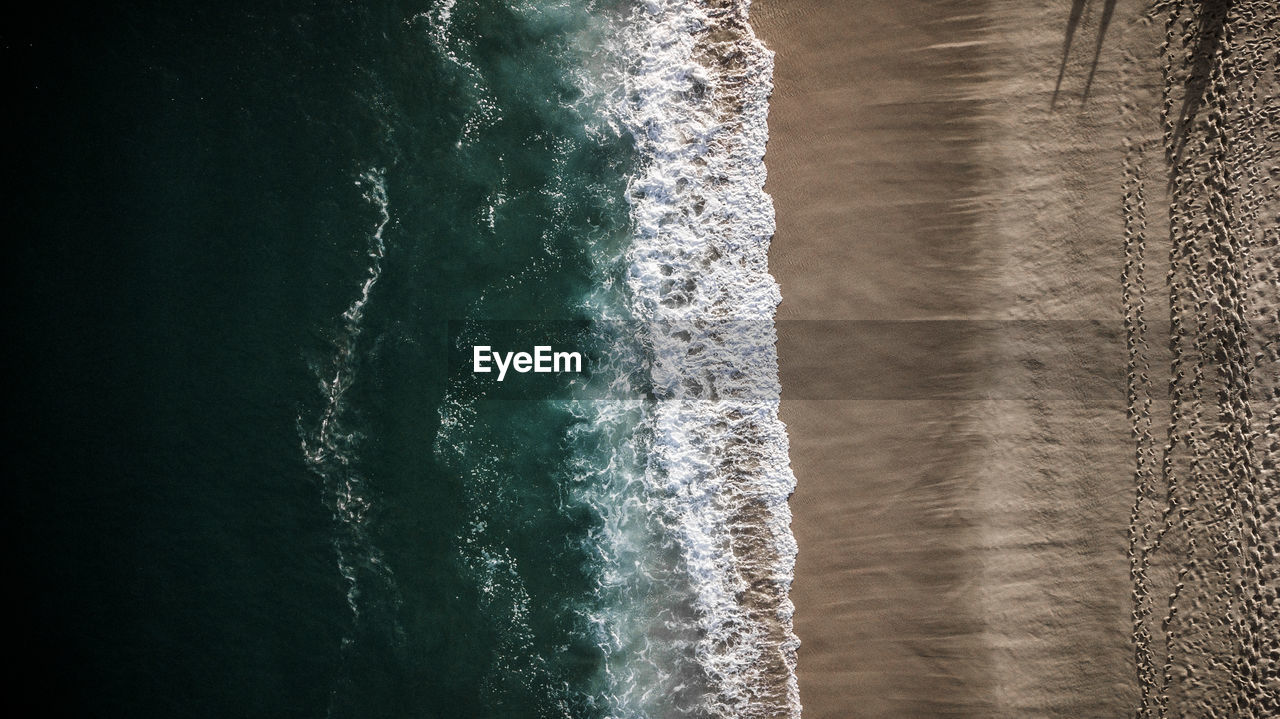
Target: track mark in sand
(1205, 527)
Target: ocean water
(250, 240)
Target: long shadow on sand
(1073, 22)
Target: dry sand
(969, 542)
(962, 554)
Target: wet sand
(960, 555)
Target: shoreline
(956, 557)
(696, 103)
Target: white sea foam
(329, 446)
(455, 49)
(691, 547)
(718, 470)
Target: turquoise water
(251, 484)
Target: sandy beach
(959, 555)
(1028, 262)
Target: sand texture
(1081, 187)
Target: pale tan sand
(958, 557)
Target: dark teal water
(204, 524)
